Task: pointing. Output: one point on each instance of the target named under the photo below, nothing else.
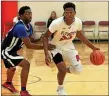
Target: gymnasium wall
(84, 10)
(8, 12)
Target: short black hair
(22, 10)
(69, 5)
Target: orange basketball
(97, 57)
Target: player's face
(69, 13)
(27, 16)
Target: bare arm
(45, 41)
(30, 45)
(39, 41)
(33, 40)
(45, 44)
(85, 40)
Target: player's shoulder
(19, 26)
(58, 20)
(77, 19)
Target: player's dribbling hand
(47, 59)
(95, 48)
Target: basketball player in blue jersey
(19, 34)
(65, 29)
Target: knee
(62, 71)
(26, 64)
(77, 70)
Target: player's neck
(24, 21)
(68, 22)
(26, 24)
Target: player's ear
(21, 16)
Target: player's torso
(12, 42)
(65, 33)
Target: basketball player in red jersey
(65, 29)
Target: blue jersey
(12, 41)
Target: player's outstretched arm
(30, 45)
(85, 40)
(33, 40)
(45, 44)
(50, 46)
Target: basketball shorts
(11, 59)
(70, 56)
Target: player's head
(69, 10)
(25, 14)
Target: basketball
(97, 57)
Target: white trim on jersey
(10, 62)
(21, 44)
(14, 43)
(13, 57)
(3, 55)
(7, 59)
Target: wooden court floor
(42, 79)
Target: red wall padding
(9, 10)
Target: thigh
(58, 60)
(23, 63)
(56, 56)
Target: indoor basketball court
(42, 79)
